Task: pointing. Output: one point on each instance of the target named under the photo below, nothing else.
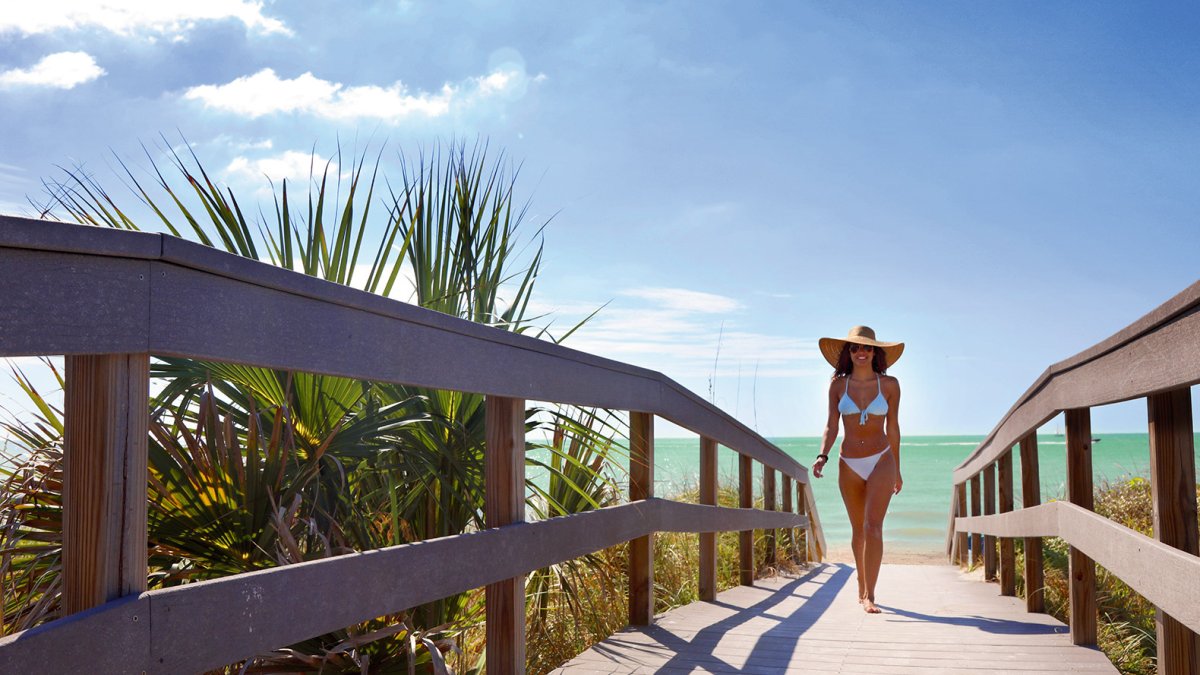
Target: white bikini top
(877, 407)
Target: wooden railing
(1156, 358)
(109, 299)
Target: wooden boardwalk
(936, 620)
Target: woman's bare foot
(869, 606)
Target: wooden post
(708, 540)
(106, 418)
(789, 534)
(641, 550)
(802, 509)
(1008, 558)
(989, 509)
(769, 502)
(1031, 495)
(963, 556)
(504, 504)
(1173, 486)
(976, 510)
(1081, 568)
(746, 537)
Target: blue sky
(999, 185)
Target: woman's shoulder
(890, 381)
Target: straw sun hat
(831, 348)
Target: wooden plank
(769, 504)
(110, 638)
(708, 540)
(815, 532)
(989, 509)
(63, 303)
(104, 478)
(193, 631)
(49, 283)
(963, 555)
(1133, 363)
(1031, 495)
(1081, 569)
(746, 537)
(1008, 575)
(976, 510)
(1040, 521)
(935, 620)
(504, 504)
(802, 509)
(641, 550)
(384, 340)
(1173, 486)
(789, 535)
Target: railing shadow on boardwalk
(983, 623)
(760, 660)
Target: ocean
(918, 517)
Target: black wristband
(824, 456)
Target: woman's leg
(854, 494)
(878, 494)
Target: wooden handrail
(208, 624)
(111, 291)
(1162, 574)
(1150, 358)
(79, 291)
(1138, 360)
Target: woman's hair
(844, 367)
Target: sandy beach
(842, 554)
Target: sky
(998, 185)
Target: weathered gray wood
(976, 510)
(53, 236)
(1162, 574)
(746, 537)
(963, 555)
(1039, 521)
(1081, 569)
(789, 535)
(769, 504)
(504, 504)
(1031, 495)
(1135, 362)
(708, 540)
(1008, 575)
(49, 285)
(208, 624)
(989, 508)
(113, 638)
(104, 478)
(641, 550)
(935, 620)
(815, 534)
(1173, 486)
(63, 303)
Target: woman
(867, 400)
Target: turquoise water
(918, 517)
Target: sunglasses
(854, 349)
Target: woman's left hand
(899, 485)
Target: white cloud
(63, 70)
(170, 18)
(684, 300)
(684, 334)
(265, 93)
(290, 165)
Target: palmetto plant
(252, 467)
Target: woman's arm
(893, 427)
(831, 431)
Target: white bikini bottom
(864, 466)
